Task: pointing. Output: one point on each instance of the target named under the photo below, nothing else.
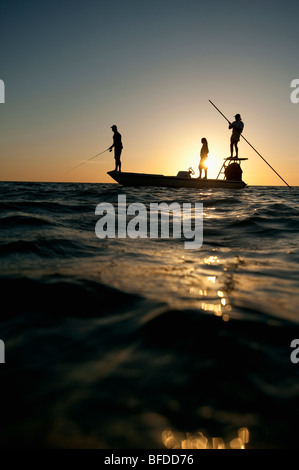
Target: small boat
(231, 169)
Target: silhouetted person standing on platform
(203, 157)
(118, 146)
(237, 126)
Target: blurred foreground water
(122, 343)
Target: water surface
(111, 342)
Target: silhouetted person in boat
(203, 157)
(237, 126)
(118, 146)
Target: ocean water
(119, 343)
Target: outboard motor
(186, 174)
(233, 172)
(183, 174)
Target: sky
(73, 68)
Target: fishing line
(91, 158)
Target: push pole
(251, 146)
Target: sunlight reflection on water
(198, 440)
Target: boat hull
(143, 179)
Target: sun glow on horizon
(213, 163)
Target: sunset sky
(72, 69)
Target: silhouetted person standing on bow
(203, 157)
(237, 126)
(118, 146)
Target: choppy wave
(116, 343)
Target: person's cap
(237, 115)
(114, 126)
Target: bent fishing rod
(251, 146)
(91, 158)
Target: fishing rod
(251, 146)
(91, 158)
